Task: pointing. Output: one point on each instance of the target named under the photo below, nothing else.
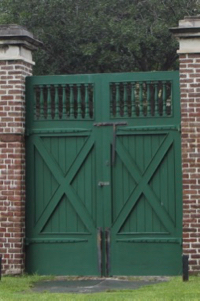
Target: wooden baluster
(49, 102)
(64, 102)
(117, 100)
(87, 113)
(41, 114)
(132, 99)
(156, 98)
(149, 111)
(125, 111)
(79, 111)
(164, 104)
(141, 109)
(71, 101)
(56, 102)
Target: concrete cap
(12, 34)
(188, 34)
(190, 22)
(188, 28)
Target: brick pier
(188, 34)
(16, 45)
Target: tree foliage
(89, 36)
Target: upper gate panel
(138, 99)
(55, 102)
(63, 101)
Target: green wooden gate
(103, 174)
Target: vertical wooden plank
(71, 218)
(147, 161)
(131, 184)
(117, 187)
(47, 178)
(163, 183)
(80, 181)
(140, 214)
(61, 154)
(70, 155)
(94, 193)
(54, 151)
(171, 172)
(125, 179)
(178, 181)
(39, 184)
(88, 187)
(62, 215)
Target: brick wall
(190, 124)
(12, 164)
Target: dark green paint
(69, 152)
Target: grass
(19, 288)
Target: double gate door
(103, 175)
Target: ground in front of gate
(22, 288)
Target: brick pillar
(16, 45)
(188, 34)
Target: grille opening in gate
(59, 102)
(141, 99)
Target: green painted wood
(64, 185)
(142, 187)
(123, 179)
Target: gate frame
(54, 110)
(15, 64)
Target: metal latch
(101, 184)
(114, 125)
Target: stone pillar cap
(188, 28)
(12, 34)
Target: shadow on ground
(95, 285)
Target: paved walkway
(95, 285)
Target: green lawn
(19, 288)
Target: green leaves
(87, 36)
